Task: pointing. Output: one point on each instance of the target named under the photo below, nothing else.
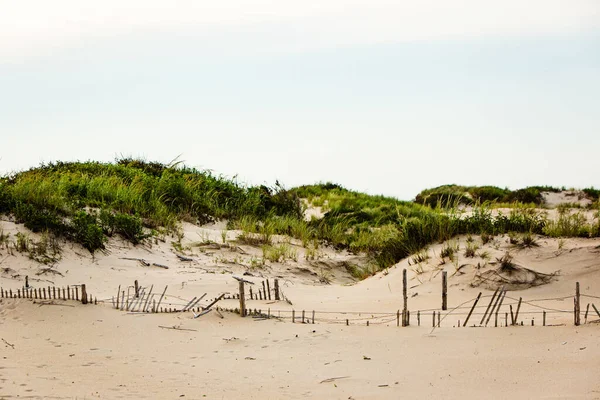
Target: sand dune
(68, 350)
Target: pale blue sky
(379, 96)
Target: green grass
(87, 202)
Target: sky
(386, 97)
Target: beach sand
(63, 349)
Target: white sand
(69, 350)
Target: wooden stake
(404, 296)
(398, 318)
(472, 308)
(118, 293)
(148, 298)
(293, 316)
(264, 290)
(122, 299)
(577, 305)
(277, 289)
(127, 300)
(544, 320)
(488, 307)
(419, 318)
(517, 312)
(505, 319)
(586, 313)
(242, 299)
(137, 288)
(161, 297)
(433, 323)
(77, 294)
(251, 294)
(268, 290)
(444, 290)
(439, 313)
(303, 320)
(347, 322)
(84, 299)
(26, 281)
(494, 307)
(500, 305)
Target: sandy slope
(73, 351)
(94, 352)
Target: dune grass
(87, 202)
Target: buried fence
(502, 308)
(70, 292)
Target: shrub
(87, 232)
(128, 226)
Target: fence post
(472, 308)
(161, 297)
(433, 320)
(517, 312)
(242, 300)
(488, 307)
(84, 298)
(500, 305)
(577, 305)
(137, 288)
(494, 306)
(268, 289)
(277, 289)
(419, 318)
(544, 323)
(404, 296)
(444, 290)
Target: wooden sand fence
(71, 292)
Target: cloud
(38, 28)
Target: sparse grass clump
(420, 257)
(449, 250)
(470, 250)
(279, 253)
(528, 240)
(506, 262)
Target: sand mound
(511, 276)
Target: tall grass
(88, 202)
(131, 194)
